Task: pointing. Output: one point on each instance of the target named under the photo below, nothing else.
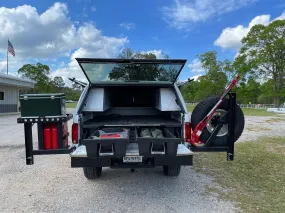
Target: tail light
(188, 132)
(74, 136)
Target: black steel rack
(46, 119)
(40, 121)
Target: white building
(9, 91)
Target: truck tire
(203, 108)
(173, 170)
(92, 173)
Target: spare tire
(204, 107)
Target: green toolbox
(52, 104)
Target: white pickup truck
(131, 114)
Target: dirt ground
(50, 185)
(257, 126)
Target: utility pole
(7, 60)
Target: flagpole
(7, 58)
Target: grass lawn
(71, 105)
(251, 112)
(255, 180)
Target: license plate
(132, 159)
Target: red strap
(110, 136)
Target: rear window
(135, 70)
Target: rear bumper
(79, 159)
(116, 162)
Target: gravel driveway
(257, 126)
(50, 185)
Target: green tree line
(260, 63)
(39, 73)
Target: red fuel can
(47, 137)
(54, 137)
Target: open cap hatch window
(131, 70)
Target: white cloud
(157, 53)
(155, 38)
(36, 35)
(184, 13)
(84, 12)
(62, 64)
(99, 46)
(14, 64)
(128, 26)
(103, 47)
(196, 66)
(52, 34)
(282, 17)
(231, 37)
(85, 4)
(93, 9)
(195, 77)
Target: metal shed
(9, 91)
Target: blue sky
(55, 32)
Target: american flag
(11, 48)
